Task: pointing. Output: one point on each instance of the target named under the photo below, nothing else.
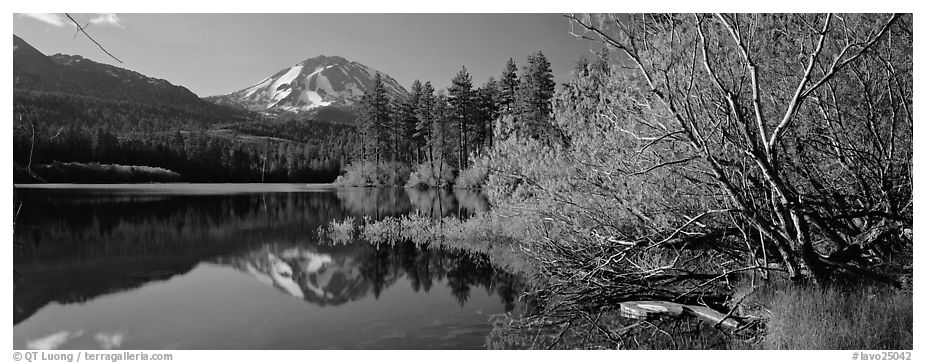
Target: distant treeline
(59, 172)
(56, 109)
(215, 146)
(198, 156)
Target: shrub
(424, 176)
(370, 174)
(337, 232)
(475, 176)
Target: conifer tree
(375, 120)
(424, 112)
(408, 119)
(534, 95)
(460, 98)
(507, 97)
(442, 125)
(508, 86)
(487, 111)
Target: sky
(213, 54)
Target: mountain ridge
(33, 70)
(37, 78)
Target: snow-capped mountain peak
(312, 83)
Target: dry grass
(846, 317)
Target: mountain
(311, 84)
(46, 81)
(319, 277)
(31, 67)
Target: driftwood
(651, 309)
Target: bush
(524, 168)
(337, 232)
(441, 176)
(370, 174)
(475, 176)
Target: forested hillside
(72, 110)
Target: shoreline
(185, 188)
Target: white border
(476, 6)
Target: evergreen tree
(460, 97)
(104, 144)
(406, 115)
(424, 111)
(507, 87)
(375, 121)
(534, 95)
(441, 126)
(507, 97)
(487, 110)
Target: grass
(849, 317)
(846, 317)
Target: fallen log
(652, 309)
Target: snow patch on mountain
(250, 91)
(287, 77)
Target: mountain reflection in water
(87, 253)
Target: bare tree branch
(82, 30)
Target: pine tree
(506, 98)
(441, 125)
(487, 112)
(374, 121)
(460, 97)
(534, 95)
(408, 118)
(424, 112)
(508, 86)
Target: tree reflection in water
(80, 245)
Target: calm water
(240, 267)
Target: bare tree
(802, 123)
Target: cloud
(59, 20)
(47, 18)
(106, 19)
(53, 341)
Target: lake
(188, 266)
